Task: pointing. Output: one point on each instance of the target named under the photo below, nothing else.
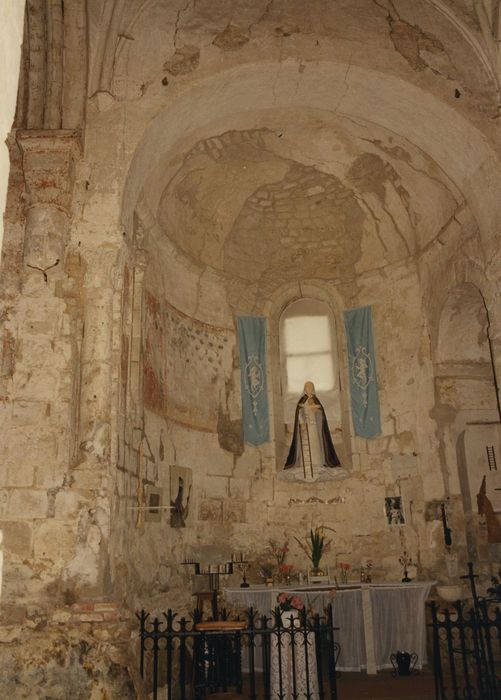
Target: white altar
(374, 620)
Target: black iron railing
(467, 648)
(260, 657)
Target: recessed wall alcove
(466, 401)
(248, 221)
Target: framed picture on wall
(181, 501)
(154, 504)
(394, 510)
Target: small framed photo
(154, 503)
(394, 510)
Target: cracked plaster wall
(200, 224)
(203, 119)
(232, 486)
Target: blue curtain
(252, 337)
(362, 369)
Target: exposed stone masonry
(174, 165)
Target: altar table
(375, 620)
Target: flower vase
(344, 576)
(403, 663)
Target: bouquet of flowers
(315, 545)
(345, 567)
(285, 571)
(289, 601)
(278, 552)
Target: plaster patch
(231, 38)
(185, 60)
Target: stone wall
(173, 166)
(12, 37)
(237, 491)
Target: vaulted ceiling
(348, 134)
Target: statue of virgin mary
(312, 456)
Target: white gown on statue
(311, 462)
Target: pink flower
(287, 601)
(277, 551)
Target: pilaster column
(94, 428)
(48, 167)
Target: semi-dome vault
(255, 205)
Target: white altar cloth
(375, 620)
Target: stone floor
(360, 686)
(384, 686)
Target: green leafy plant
(316, 544)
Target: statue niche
(312, 456)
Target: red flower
(287, 601)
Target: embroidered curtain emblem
(255, 380)
(252, 343)
(362, 371)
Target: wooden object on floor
(218, 660)
(221, 626)
(210, 598)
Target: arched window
(308, 352)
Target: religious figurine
(486, 509)
(312, 456)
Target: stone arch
(231, 96)
(273, 310)
(466, 405)
(228, 102)
(460, 271)
(463, 327)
